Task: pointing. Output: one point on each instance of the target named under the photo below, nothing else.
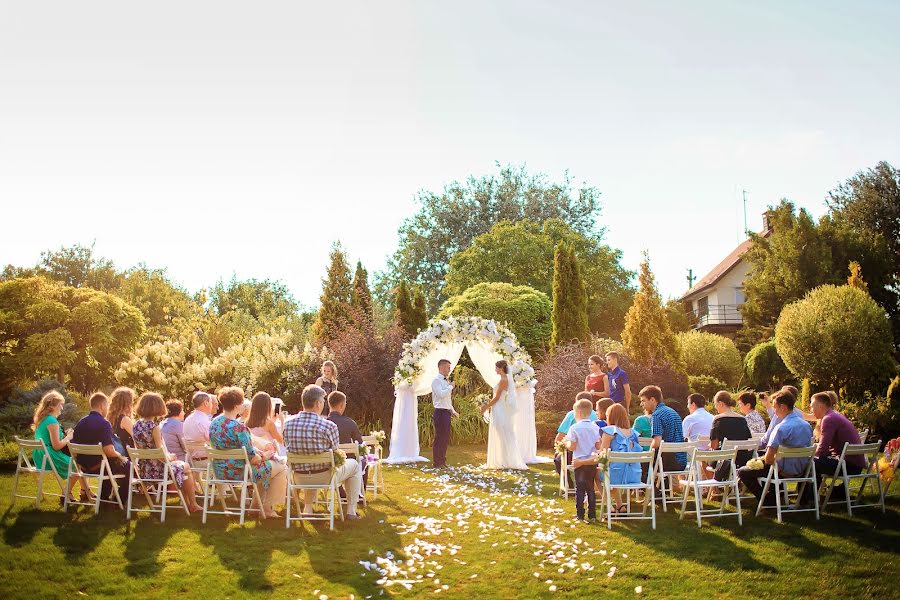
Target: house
(714, 301)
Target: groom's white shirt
(440, 393)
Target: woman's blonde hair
(618, 416)
(151, 406)
(121, 402)
(48, 402)
(334, 374)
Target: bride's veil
(510, 389)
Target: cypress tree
(337, 295)
(403, 313)
(647, 336)
(569, 315)
(361, 298)
(420, 314)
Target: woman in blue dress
(618, 436)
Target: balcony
(715, 315)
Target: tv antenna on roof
(746, 229)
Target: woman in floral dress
(147, 435)
(226, 432)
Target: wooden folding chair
(376, 469)
(26, 464)
(103, 474)
(247, 485)
(153, 487)
(565, 472)
(648, 489)
(664, 478)
(645, 441)
(739, 446)
(300, 482)
(352, 451)
(781, 483)
(870, 454)
(697, 482)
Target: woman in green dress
(47, 428)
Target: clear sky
(214, 138)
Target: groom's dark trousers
(441, 436)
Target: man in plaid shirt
(310, 433)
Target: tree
(523, 252)
(783, 267)
(764, 366)
(524, 309)
(361, 299)
(419, 312)
(262, 300)
(712, 355)
(159, 300)
(647, 337)
(337, 295)
(569, 316)
(77, 266)
(449, 221)
(404, 312)
(837, 336)
(856, 279)
(679, 316)
(706, 385)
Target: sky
(220, 138)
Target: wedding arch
(487, 342)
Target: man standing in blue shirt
(619, 387)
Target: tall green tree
(362, 298)
(569, 315)
(647, 337)
(336, 299)
(420, 312)
(404, 311)
(450, 220)
(523, 253)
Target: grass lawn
(459, 532)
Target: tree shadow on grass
(146, 538)
(28, 523)
(78, 536)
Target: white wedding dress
(503, 451)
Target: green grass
(504, 528)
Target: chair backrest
(645, 441)
(192, 448)
(870, 451)
(323, 479)
(136, 454)
(755, 436)
(369, 440)
(703, 439)
(630, 457)
(322, 458)
(863, 435)
(713, 455)
(233, 454)
(86, 449)
(26, 444)
(751, 445)
(808, 452)
(677, 447)
(350, 449)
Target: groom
(441, 388)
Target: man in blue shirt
(619, 387)
(564, 427)
(791, 432)
(666, 427)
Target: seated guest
(698, 422)
(747, 406)
(310, 433)
(583, 440)
(121, 414)
(196, 425)
(643, 425)
(47, 429)
(836, 430)
(564, 427)
(666, 427)
(775, 419)
(348, 430)
(728, 425)
(227, 433)
(791, 432)
(619, 436)
(261, 421)
(93, 429)
(172, 429)
(601, 408)
(147, 436)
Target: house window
(739, 297)
(703, 307)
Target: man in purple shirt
(837, 430)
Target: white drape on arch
(404, 427)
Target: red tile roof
(721, 269)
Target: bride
(503, 451)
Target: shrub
(711, 355)
(524, 309)
(17, 411)
(467, 428)
(706, 385)
(764, 366)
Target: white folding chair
(781, 483)
(565, 472)
(751, 446)
(153, 487)
(352, 451)
(104, 473)
(863, 436)
(648, 489)
(697, 482)
(664, 478)
(645, 441)
(301, 482)
(376, 470)
(757, 437)
(869, 452)
(26, 464)
(247, 485)
(703, 440)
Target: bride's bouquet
(480, 401)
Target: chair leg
(40, 489)
(698, 503)
(778, 489)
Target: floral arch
(487, 342)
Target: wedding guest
(775, 419)
(172, 429)
(348, 430)
(47, 429)
(791, 432)
(666, 427)
(147, 436)
(94, 429)
(328, 380)
(728, 425)
(261, 420)
(564, 427)
(309, 433)
(747, 406)
(643, 425)
(619, 436)
(583, 439)
(196, 424)
(226, 432)
(836, 430)
(595, 382)
(121, 409)
(699, 421)
(601, 408)
(619, 387)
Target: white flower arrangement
(461, 330)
